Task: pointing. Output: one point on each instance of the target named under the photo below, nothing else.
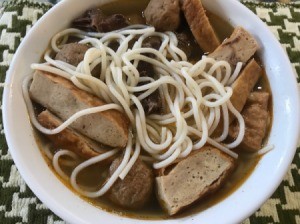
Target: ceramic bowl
(238, 206)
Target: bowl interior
(268, 173)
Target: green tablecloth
(19, 205)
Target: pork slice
(69, 138)
(239, 47)
(64, 99)
(193, 178)
(164, 15)
(199, 24)
(256, 117)
(135, 190)
(244, 84)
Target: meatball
(164, 15)
(135, 189)
(72, 53)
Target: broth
(246, 162)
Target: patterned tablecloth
(19, 205)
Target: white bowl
(236, 207)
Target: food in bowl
(135, 117)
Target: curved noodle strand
(195, 97)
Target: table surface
(19, 205)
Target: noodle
(55, 161)
(195, 96)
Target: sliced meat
(239, 47)
(146, 69)
(184, 43)
(111, 23)
(64, 99)
(152, 103)
(95, 20)
(202, 172)
(199, 24)
(70, 139)
(164, 15)
(152, 42)
(244, 84)
(256, 117)
(72, 53)
(135, 189)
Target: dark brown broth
(246, 162)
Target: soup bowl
(239, 205)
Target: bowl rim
(65, 213)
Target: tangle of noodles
(196, 97)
